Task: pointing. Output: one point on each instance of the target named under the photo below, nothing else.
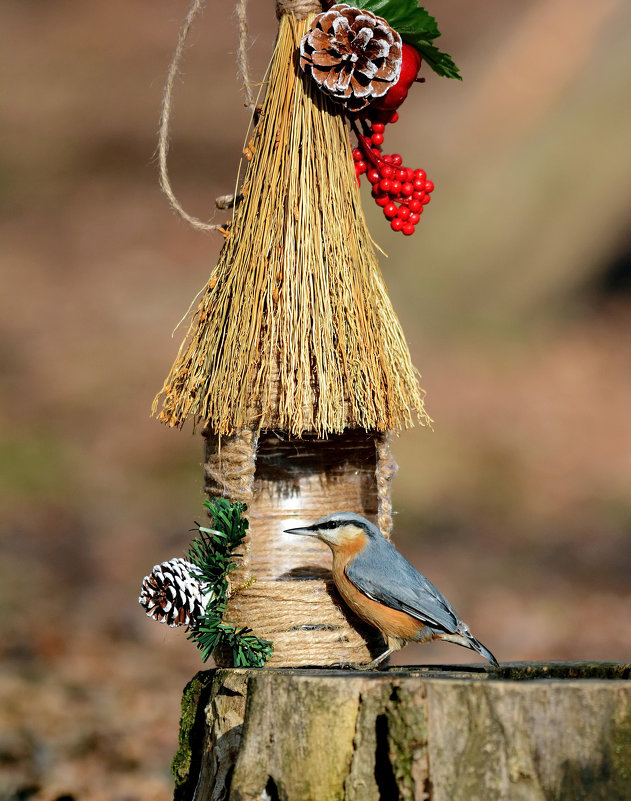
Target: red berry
(394, 117)
(390, 211)
(400, 191)
(393, 97)
(410, 63)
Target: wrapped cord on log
(300, 9)
(293, 601)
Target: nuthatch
(383, 588)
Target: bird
(385, 590)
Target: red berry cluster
(401, 192)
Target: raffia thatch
(295, 329)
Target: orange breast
(389, 621)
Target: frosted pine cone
(353, 55)
(172, 593)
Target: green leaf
(403, 15)
(417, 27)
(441, 63)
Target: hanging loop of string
(242, 53)
(299, 8)
(167, 102)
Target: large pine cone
(353, 55)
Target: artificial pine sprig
(213, 554)
(212, 551)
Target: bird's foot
(344, 665)
(374, 665)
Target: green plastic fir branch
(213, 554)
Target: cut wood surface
(527, 732)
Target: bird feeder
(296, 371)
(295, 366)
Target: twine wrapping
(307, 623)
(230, 465)
(386, 470)
(299, 8)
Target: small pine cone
(353, 55)
(172, 593)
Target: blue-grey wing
(383, 574)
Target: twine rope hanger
(299, 8)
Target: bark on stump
(527, 732)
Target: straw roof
(295, 330)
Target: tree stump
(527, 732)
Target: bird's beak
(303, 532)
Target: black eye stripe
(331, 524)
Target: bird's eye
(329, 525)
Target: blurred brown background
(515, 294)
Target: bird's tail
(469, 641)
